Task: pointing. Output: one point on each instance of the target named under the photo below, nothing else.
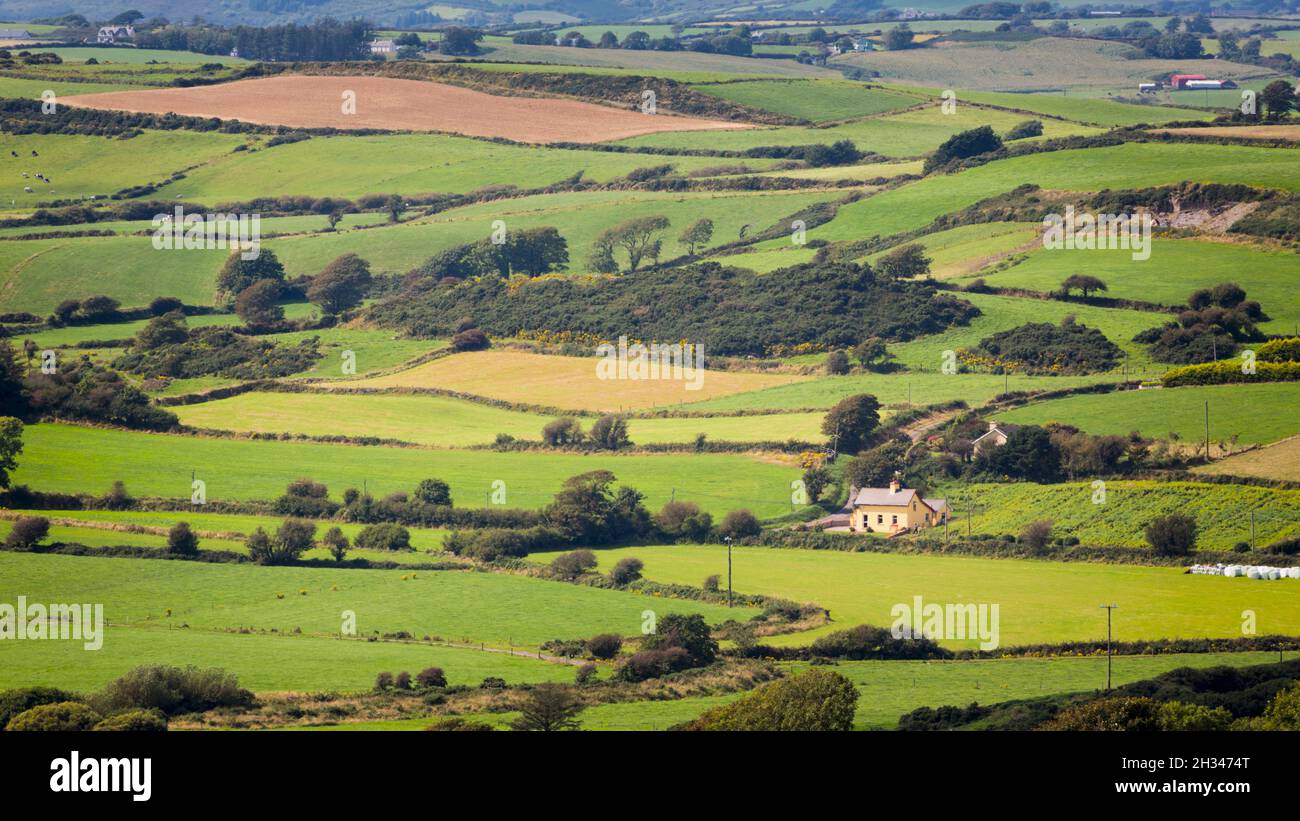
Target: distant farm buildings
(382, 47)
(994, 437)
(111, 34)
(1186, 82)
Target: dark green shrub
(62, 716)
(605, 645)
(22, 699)
(173, 690)
(627, 570)
(134, 721)
(431, 677)
(384, 536)
(27, 532)
(812, 701)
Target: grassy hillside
(81, 166)
(578, 217)
(1089, 169)
(263, 663)
(1176, 268)
(405, 163)
(1001, 313)
(160, 465)
(1083, 109)
(1253, 413)
(1039, 601)
(967, 248)
(37, 275)
(456, 605)
(918, 388)
(1222, 512)
(100, 528)
(816, 100)
(446, 422)
(908, 134)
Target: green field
(1257, 413)
(37, 275)
(455, 605)
(908, 134)
(161, 465)
(372, 350)
(816, 100)
(888, 689)
(686, 66)
(407, 163)
(1001, 313)
(1175, 269)
(927, 388)
(141, 56)
(579, 217)
(83, 166)
(1082, 109)
(442, 421)
(1039, 601)
(263, 663)
(1088, 169)
(70, 335)
(968, 248)
(18, 88)
(1222, 512)
(106, 528)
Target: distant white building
(111, 34)
(382, 47)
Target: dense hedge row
(1230, 371)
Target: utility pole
(1207, 430)
(728, 571)
(1108, 608)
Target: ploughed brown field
(401, 105)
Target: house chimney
(993, 425)
(893, 486)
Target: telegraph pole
(1207, 430)
(728, 571)
(1108, 608)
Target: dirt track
(402, 105)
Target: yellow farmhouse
(894, 509)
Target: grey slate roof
(880, 496)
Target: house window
(880, 518)
(895, 519)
